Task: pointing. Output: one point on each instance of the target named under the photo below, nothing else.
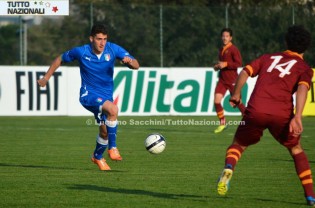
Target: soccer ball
(155, 143)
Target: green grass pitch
(45, 162)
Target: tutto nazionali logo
(23, 7)
(34, 7)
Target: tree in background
(9, 44)
(190, 29)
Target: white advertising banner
(20, 94)
(171, 91)
(148, 91)
(34, 7)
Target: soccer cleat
(114, 154)
(220, 129)
(224, 181)
(310, 201)
(102, 165)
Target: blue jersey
(96, 73)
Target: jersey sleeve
(71, 55)
(253, 68)
(236, 60)
(306, 78)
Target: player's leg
(304, 173)
(218, 107)
(111, 124)
(101, 144)
(91, 103)
(245, 135)
(101, 141)
(280, 130)
(233, 154)
(220, 91)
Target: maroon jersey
(279, 75)
(232, 56)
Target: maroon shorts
(221, 88)
(254, 125)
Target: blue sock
(100, 148)
(229, 166)
(111, 127)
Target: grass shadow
(277, 201)
(34, 166)
(134, 192)
(49, 167)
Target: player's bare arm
(131, 63)
(296, 126)
(53, 67)
(236, 96)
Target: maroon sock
(233, 154)
(303, 170)
(220, 113)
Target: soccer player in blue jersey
(96, 61)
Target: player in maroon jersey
(280, 75)
(229, 60)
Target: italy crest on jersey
(99, 100)
(107, 56)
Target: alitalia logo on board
(165, 91)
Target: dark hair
(298, 39)
(229, 30)
(99, 28)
